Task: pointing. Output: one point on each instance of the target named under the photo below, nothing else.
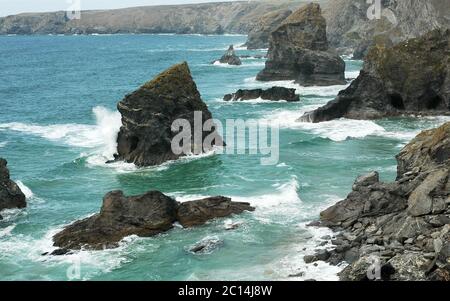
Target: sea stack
(148, 113)
(404, 224)
(259, 35)
(412, 77)
(143, 215)
(299, 51)
(230, 57)
(11, 196)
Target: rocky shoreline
(410, 78)
(398, 230)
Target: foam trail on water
(26, 191)
(3, 144)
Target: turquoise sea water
(58, 123)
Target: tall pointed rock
(148, 113)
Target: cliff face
(209, 18)
(349, 26)
(259, 35)
(410, 78)
(403, 225)
(299, 51)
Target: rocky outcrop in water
(410, 78)
(258, 37)
(148, 113)
(230, 57)
(11, 196)
(274, 94)
(398, 20)
(400, 230)
(299, 51)
(142, 215)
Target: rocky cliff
(299, 51)
(143, 215)
(258, 37)
(399, 20)
(208, 18)
(412, 77)
(148, 113)
(10, 194)
(398, 230)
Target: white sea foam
(3, 143)
(259, 63)
(351, 74)
(7, 231)
(26, 191)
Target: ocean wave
(352, 74)
(26, 191)
(343, 129)
(101, 137)
(244, 65)
(3, 144)
(92, 263)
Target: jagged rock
(409, 78)
(11, 196)
(399, 223)
(258, 37)
(274, 94)
(142, 215)
(194, 213)
(148, 113)
(230, 58)
(299, 51)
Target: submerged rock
(148, 113)
(299, 51)
(409, 78)
(142, 215)
(402, 222)
(206, 246)
(11, 196)
(274, 94)
(259, 35)
(198, 212)
(230, 57)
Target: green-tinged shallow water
(58, 125)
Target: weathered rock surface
(203, 18)
(230, 57)
(194, 213)
(143, 215)
(404, 225)
(299, 51)
(399, 20)
(11, 196)
(148, 113)
(259, 35)
(410, 78)
(274, 94)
